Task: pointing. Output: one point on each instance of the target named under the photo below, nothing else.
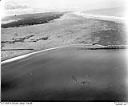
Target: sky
(25, 6)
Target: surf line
(29, 54)
(101, 17)
(59, 47)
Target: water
(67, 74)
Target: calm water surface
(67, 74)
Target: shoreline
(92, 47)
(101, 17)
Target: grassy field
(66, 30)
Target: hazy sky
(19, 6)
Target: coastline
(98, 17)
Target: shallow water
(66, 74)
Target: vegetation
(30, 19)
